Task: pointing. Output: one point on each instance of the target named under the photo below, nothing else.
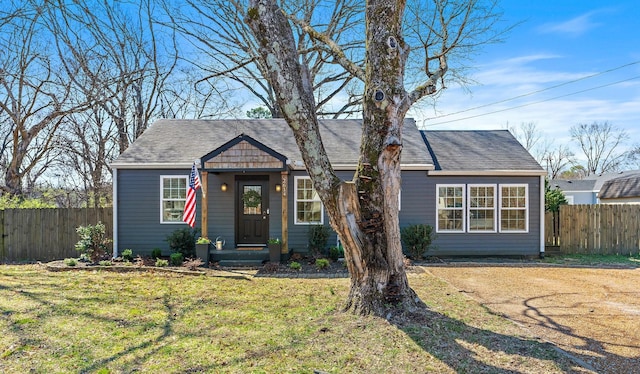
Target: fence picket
(595, 229)
(46, 234)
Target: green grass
(106, 322)
(632, 260)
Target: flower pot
(202, 252)
(274, 252)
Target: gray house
(589, 190)
(624, 189)
(480, 190)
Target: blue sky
(558, 42)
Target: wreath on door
(252, 199)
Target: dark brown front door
(252, 212)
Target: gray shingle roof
(621, 187)
(479, 150)
(179, 142)
(574, 184)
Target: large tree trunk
(363, 212)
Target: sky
(566, 62)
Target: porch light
(223, 187)
(278, 187)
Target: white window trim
(295, 204)
(162, 178)
(469, 209)
(526, 207)
(463, 208)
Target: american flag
(189, 215)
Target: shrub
(183, 241)
(70, 261)
(127, 255)
(295, 265)
(176, 259)
(162, 263)
(322, 263)
(156, 253)
(105, 263)
(335, 253)
(93, 241)
(318, 237)
(417, 239)
(192, 263)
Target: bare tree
(37, 97)
(117, 48)
(225, 48)
(556, 159)
(600, 143)
(527, 134)
(364, 211)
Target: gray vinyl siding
(139, 209)
(486, 244)
(139, 226)
(138, 200)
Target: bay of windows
(477, 208)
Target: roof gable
(243, 153)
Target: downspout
(542, 215)
(115, 211)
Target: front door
(252, 212)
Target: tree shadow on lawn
(468, 349)
(592, 351)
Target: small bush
(295, 265)
(335, 253)
(318, 237)
(70, 261)
(127, 255)
(162, 263)
(322, 263)
(417, 239)
(93, 241)
(271, 267)
(105, 263)
(156, 253)
(183, 241)
(176, 259)
(192, 263)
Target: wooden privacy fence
(594, 229)
(46, 234)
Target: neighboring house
(480, 190)
(587, 190)
(621, 190)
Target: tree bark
(364, 212)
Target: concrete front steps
(239, 257)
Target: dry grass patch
(123, 322)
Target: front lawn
(106, 322)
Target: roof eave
(520, 173)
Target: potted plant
(275, 248)
(202, 249)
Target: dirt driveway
(593, 314)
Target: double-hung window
(482, 208)
(451, 206)
(514, 208)
(307, 206)
(477, 208)
(173, 194)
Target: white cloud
(574, 27)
